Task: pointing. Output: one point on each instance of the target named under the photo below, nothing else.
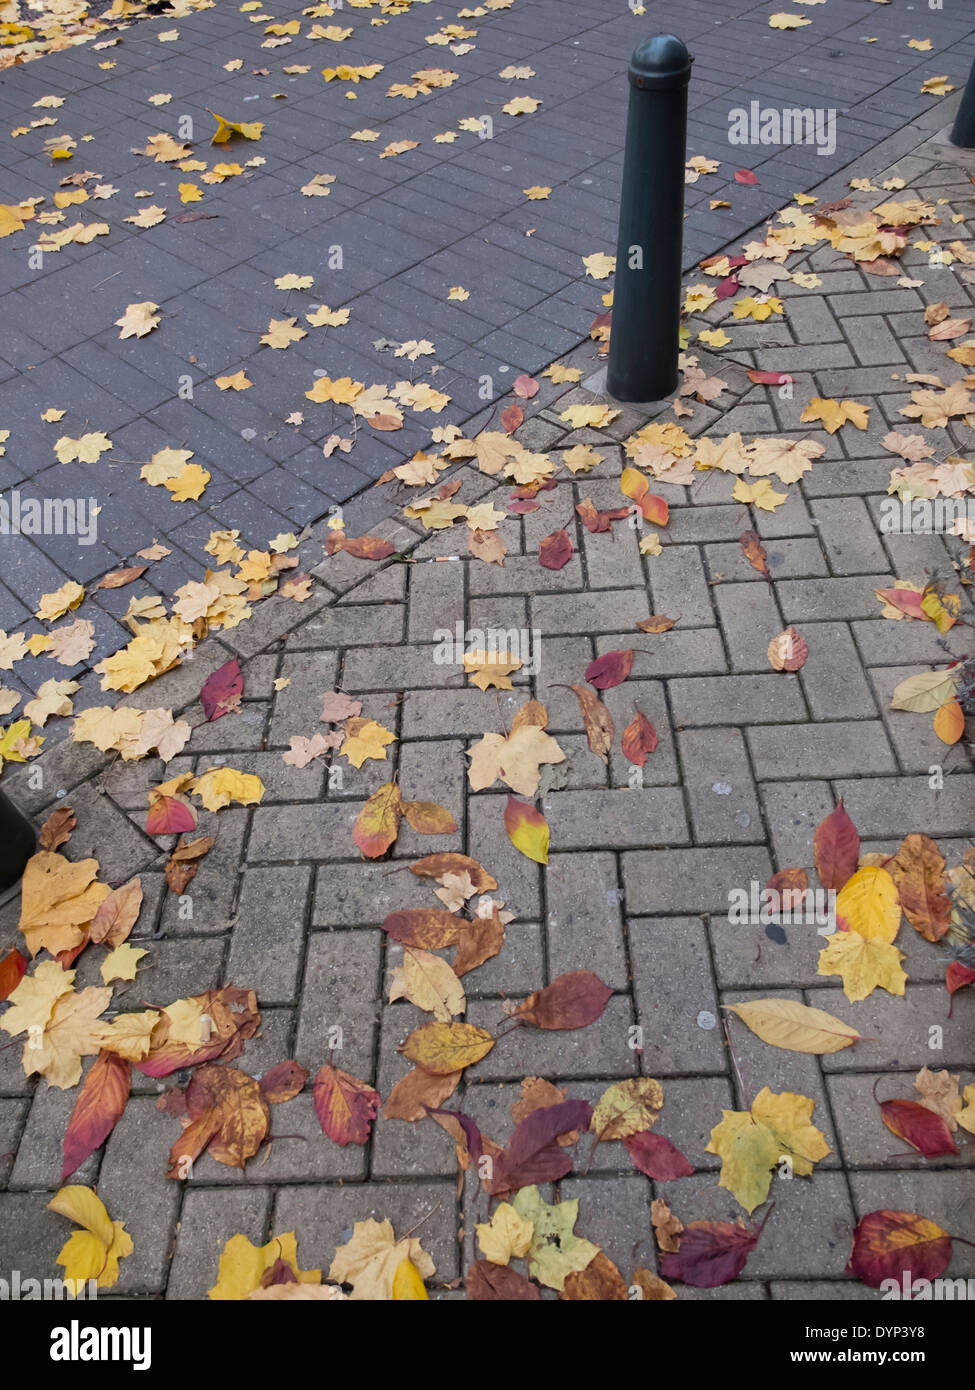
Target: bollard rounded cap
(661, 62)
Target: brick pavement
(409, 228)
(748, 763)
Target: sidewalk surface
(749, 760)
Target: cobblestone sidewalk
(749, 761)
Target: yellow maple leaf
(864, 965)
(521, 106)
(324, 317)
(599, 265)
(281, 333)
(239, 381)
(537, 192)
(294, 282)
(760, 493)
(188, 484)
(138, 320)
(343, 391)
(588, 416)
(834, 414)
(365, 738)
(53, 606)
(190, 193)
(458, 292)
(752, 1143)
(226, 130)
(93, 1252)
(491, 668)
(219, 786)
(87, 449)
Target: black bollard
(17, 842)
(643, 344)
(963, 131)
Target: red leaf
(891, 1244)
(957, 976)
(168, 815)
(923, 1129)
(656, 1156)
(728, 287)
(612, 668)
(745, 176)
(768, 378)
(836, 849)
(511, 417)
(12, 969)
(282, 1082)
(525, 386)
(534, 1154)
(639, 739)
(523, 506)
(489, 1283)
(571, 1001)
(222, 691)
(345, 1106)
(555, 550)
(97, 1110)
(711, 1253)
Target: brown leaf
(482, 940)
(345, 1106)
(409, 1098)
(118, 914)
(487, 1282)
(437, 865)
(56, 830)
(181, 866)
(362, 547)
(599, 1282)
(573, 1000)
(596, 521)
(656, 624)
(755, 553)
(511, 418)
(488, 546)
(538, 1094)
(119, 578)
(918, 869)
(597, 719)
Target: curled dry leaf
(597, 720)
(56, 830)
(788, 651)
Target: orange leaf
(429, 818)
(949, 722)
(511, 417)
(97, 1110)
(362, 547)
(378, 822)
(345, 1106)
(639, 739)
(755, 552)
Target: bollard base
(597, 384)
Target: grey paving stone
(820, 750)
(208, 1219)
(718, 780)
(585, 921)
(749, 619)
(337, 966)
(689, 880)
(266, 942)
(132, 1181)
(673, 987)
(832, 680)
(775, 699)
